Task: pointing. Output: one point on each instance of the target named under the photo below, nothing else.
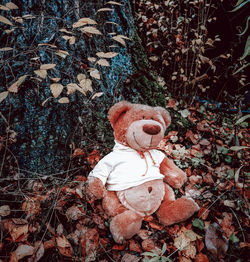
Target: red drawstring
(142, 155)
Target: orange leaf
(118, 247)
(155, 226)
(201, 258)
(171, 103)
(78, 152)
(64, 246)
(148, 218)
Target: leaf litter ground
(50, 217)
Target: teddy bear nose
(151, 129)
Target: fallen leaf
(64, 246)
(4, 210)
(62, 53)
(84, 21)
(216, 243)
(130, 258)
(91, 30)
(47, 66)
(24, 251)
(148, 244)
(119, 39)
(201, 258)
(78, 152)
(92, 59)
(3, 95)
(3, 7)
(56, 89)
(18, 228)
(31, 206)
(41, 73)
(96, 74)
(171, 103)
(73, 213)
(191, 136)
(6, 49)
(11, 6)
(113, 3)
(39, 251)
(63, 100)
(106, 55)
(104, 9)
(5, 20)
(89, 244)
(133, 246)
(103, 62)
(14, 87)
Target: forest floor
(49, 218)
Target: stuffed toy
(136, 179)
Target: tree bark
(38, 131)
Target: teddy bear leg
(112, 205)
(171, 212)
(125, 225)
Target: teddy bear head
(138, 126)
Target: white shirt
(124, 167)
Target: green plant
(156, 256)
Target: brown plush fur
(142, 127)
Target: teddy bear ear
(165, 114)
(117, 110)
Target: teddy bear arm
(95, 188)
(174, 176)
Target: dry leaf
(216, 243)
(24, 251)
(119, 39)
(6, 49)
(103, 62)
(17, 228)
(65, 31)
(64, 246)
(106, 55)
(71, 39)
(130, 258)
(71, 88)
(55, 79)
(113, 3)
(73, 213)
(11, 5)
(86, 85)
(31, 206)
(46, 100)
(17, 19)
(96, 74)
(97, 95)
(62, 53)
(4, 210)
(81, 77)
(84, 21)
(56, 89)
(50, 45)
(41, 73)
(89, 244)
(63, 100)
(91, 30)
(39, 251)
(92, 59)
(5, 20)
(3, 96)
(14, 87)
(104, 9)
(3, 7)
(47, 66)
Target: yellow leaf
(119, 39)
(14, 87)
(96, 74)
(56, 89)
(113, 3)
(63, 100)
(92, 59)
(72, 40)
(80, 77)
(106, 55)
(3, 7)
(47, 66)
(5, 20)
(97, 95)
(6, 49)
(91, 30)
(104, 9)
(41, 73)
(103, 62)
(3, 95)
(11, 5)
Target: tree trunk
(43, 118)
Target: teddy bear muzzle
(151, 129)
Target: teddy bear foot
(125, 225)
(176, 211)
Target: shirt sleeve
(158, 156)
(103, 169)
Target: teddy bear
(135, 179)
